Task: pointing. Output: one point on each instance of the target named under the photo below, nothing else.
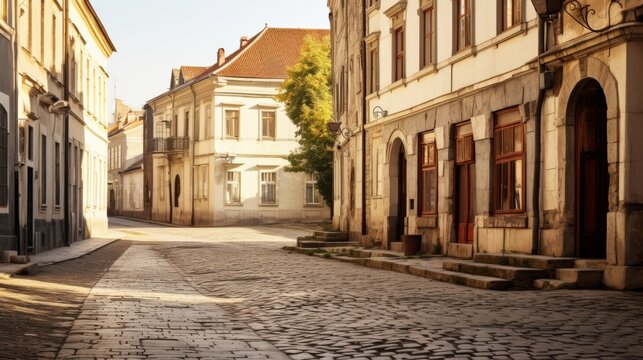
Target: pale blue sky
(153, 36)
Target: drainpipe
(65, 149)
(535, 239)
(193, 148)
(364, 117)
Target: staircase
(323, 239)
(515, 271)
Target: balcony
(169, 145)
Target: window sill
(313, 205)
(427, 221)
(234, 204)
(518, 220)
(268, 205)
(6, 30)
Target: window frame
(43, 171)
(399, 53)
(274, 125)
(262, 182)
(236, 123)
(427, 141)
(234, 181)
(57, 174)
(197, 124)
(311, 179)
(468, 18)
(427, 6)
(503, 25)
(506, 158)
(4, 11)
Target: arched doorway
(592, 175)
(398, 187)
(177, 190)
(112, 202)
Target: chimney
(243, 41)
(221, 56)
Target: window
(162, 184)
(373, 65)
(186, 124)
(4, 157)
(428, 175)
(30, 143)
(268, 119)
(232, 124)
(373, 3)
(463, 24)
(197, 124)
(509, 159)
(312, 192)
(53, 42)
(57, 174)
(42, 31)
(163, 129)
(30, 26)
(175, 126)
(205, 184)
(4, 10)
(177, 190)
(510, 14)
(378, 174)
(208, 121)
(268, 188)
(398, 46)
(233, 187)
(428, 30)
(43, 170)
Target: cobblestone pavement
(37, 311)
(143, 308)
(314, 308)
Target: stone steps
(598, 264)
(582, 278)
(552, 284)
(330, 235)
(519, 276)
(315, 244)
(525, 261)
(471, 280)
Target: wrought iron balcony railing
(169, 144)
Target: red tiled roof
(269, 54)
(190, 72)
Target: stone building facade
(125, 163)
(217, 142)
(8, 127)
(62, 116)
(473, 137)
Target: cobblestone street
(233, 293)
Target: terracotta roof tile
(190, 72)
(269, 54)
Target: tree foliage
(307, 93)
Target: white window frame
(274, 181)
(311, 179)
(225, 124)
(231, 182)
(262, 136)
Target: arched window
(177, 190)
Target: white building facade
(219, 142)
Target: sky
(154, 36)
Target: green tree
(307, 93)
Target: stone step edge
(522, 260)
(475, 268)
(553, 284)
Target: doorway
(465, 184)
(592, 176)
(30, 234)
(401, 194)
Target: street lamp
(547, 8)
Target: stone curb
(7, 271)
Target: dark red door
(592, 176)
(465, 187)
(401, 191)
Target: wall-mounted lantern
(379, 113)
(547, 8)
(335, 128)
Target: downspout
(193, 148)
(67, 217)
(364, 117)
(535, 238)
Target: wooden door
(401, 197)
(592, 177)
(465, 187)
